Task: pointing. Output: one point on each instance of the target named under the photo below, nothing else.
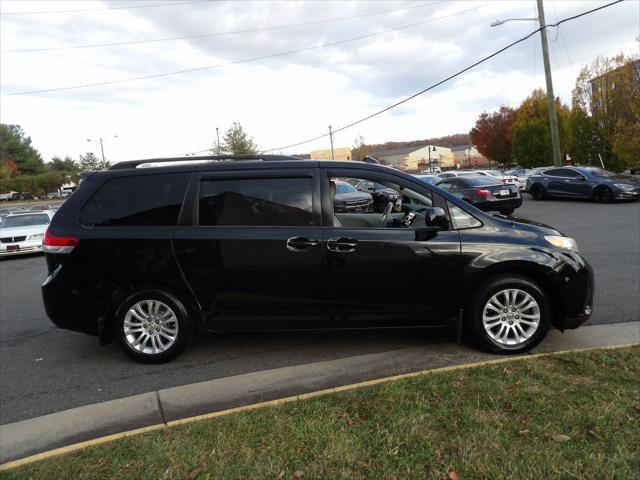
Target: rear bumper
(34, 246)
(68, 307)
(500, 204)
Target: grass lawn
(564, 416)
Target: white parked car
(23, 232)
(506, 179)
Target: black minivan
(152, 252)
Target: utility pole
(218, 139)
(333, 157)
(102, 151)
(551, 101)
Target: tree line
(603, 121)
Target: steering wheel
(386, 214)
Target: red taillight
(54, 244)
(481, 192)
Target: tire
(152, 326)
(516, 330)
(603, 195)
(508, 211)
(537, 192)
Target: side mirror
(436, 217)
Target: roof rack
(203, 158)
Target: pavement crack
(164, 420)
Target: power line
(87, 10)
(218, 34)
(450, 77)
(247, 60)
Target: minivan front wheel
(509, 315)
(153, 326)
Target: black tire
(603, 195)
(508, 211)
(184, 326)
(537, 192)
(474, 313)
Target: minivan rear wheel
(152, 326)
(509, 314)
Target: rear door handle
(342, 245)
(300, 244)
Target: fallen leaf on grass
(195, 472)
(298, 474)
(594, 434)
(523, 432)
(561, 438)
(453, 475)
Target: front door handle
(300, 244)
(342, 245)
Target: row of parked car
(22, 229)
(495, 190)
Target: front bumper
(23, 248)
(622, 194)
(575, 287)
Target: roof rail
(203, 158)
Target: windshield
(432, 179)
(494, 173)
(26, 221)
(345, 188)
(598, 172)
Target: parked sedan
(485, 192)
(23, 232)
(583, 182)
(381, 194)
(349, 199)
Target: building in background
(420, 158)
(341, 153)
(468, 156)
(394, 157)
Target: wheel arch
(124, 291)
(530, 271)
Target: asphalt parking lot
(43, 369)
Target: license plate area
(13, 248)
(504, 193)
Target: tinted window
(561, 172)
(445, 185)
(259, 201)
(26, 221)
(461, 219)
(480, 181)
(142, 200)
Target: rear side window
(256, 202)
(142, 200)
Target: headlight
(563, 242)
(36, 236)
(624, 186)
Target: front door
(255, 254)
(381, 270)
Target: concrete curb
(150, 411)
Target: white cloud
(287, 99)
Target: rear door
(252, 249)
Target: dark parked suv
(151, 256)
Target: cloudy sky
(386, 50)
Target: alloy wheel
(511, 317)
(150, 327)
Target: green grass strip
(574, 415)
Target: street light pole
(333, 157)
(551, 101)
(218, 140)
(102, 150)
